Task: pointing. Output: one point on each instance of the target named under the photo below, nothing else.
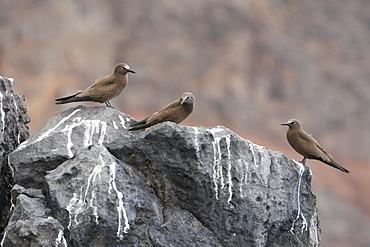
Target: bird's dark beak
(287, 124)
(130, 70)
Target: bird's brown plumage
(176, 112)
(104, 89)
(307, 146)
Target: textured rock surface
(244, 193)
(13, 130)
(93, 183)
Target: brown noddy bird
(104, 89)
(176, 112)
(307, 146)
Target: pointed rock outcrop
(13, 131)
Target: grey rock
(170, 185)
(104, 202)
(32, 225)
(242, 192)
(186, 229)
(31, 192)
(13, 131)
(62, 136)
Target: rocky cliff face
(84, 180)
(13, 131)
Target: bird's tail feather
(72, 98)
(139, 126)
(336, 165)
(65, 98)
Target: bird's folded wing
(318, 145)
(308, 142)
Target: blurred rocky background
(250, 64)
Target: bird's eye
(293, 122)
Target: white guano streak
(91, 182)
(115, 125)
(49, 131)
(10, 166)
(251, 147)
(17, 114)
(120, 209)
(11, 80)
(299, 213)
(74, 208)
(60, 241)
(2, 112)
(196, 140)
(123, 223)
(123, 121)
(2, 240)
(229, 181)
(91, 127)
(217, 163)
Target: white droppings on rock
(60, 241)
(92, 127)
(2, 112)
(74, 209)
(240, 164)
(80, 202)
(91, 183)
(314, 233)
(261, 161)
(10, 166)
(88, 197)
(18, 138)
(3, 239)
(115, 125)
(49, 131)
(196, 140)
(124, 226)
(123, 121)
(218, 177)
(14, 103)
(11, 80)
(103, 132)
(229, 181)
(251, 148)
(299, 213)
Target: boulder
(96, 184)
